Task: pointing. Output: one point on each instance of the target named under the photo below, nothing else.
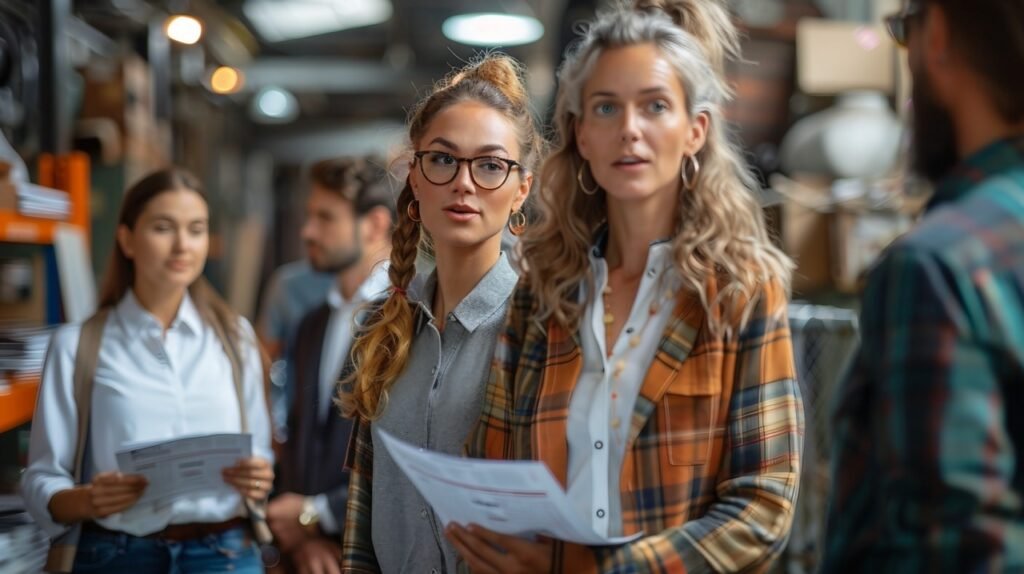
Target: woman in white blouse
(161, 373)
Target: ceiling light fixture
(184, 29)
(276, 21)
(226, 80)
(493, 29)
(274, 105)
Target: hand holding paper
(185, 467)
(510, 497)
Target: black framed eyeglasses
(898, 23)
(487, 171)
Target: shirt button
(600, 513)
(598, 445)
(433, 371)
(434, 571)
(423, 513)
(629, 330)
(651, 272)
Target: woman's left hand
(251, 477)
(487, 552)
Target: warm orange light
(184, 29)
(226, 80)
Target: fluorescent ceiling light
(491, 29)
(277, 20)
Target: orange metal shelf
(18, 402)
(17, 228)
(69, 173)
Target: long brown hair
(720, 233)
(120, 275)
(381, 353)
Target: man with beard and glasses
(347, 232)
(929, 451)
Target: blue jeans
(117, 553)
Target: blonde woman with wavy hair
(646, 358)
(420, 366)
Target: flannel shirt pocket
(689, 414)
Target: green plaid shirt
(929, 444)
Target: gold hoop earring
(519, 226)
(413, 210)
(583, 187)
(689, 181)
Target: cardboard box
(123, 91)
(805, 230)
(8, 196)
(23, 304)
(859, 236)
(835, 242)
(8, 193)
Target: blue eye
(605, 109)
(658, 106)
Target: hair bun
(501, 71)
(706, 20)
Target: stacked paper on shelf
(38, 201)
(23, 545)
(22, 348)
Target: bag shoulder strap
(257, 510)
(86, 357)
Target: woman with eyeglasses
(646, 359)
(420, 365)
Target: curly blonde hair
(721, 243)
(381, 352)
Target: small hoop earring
(519, 226)
(690, 181)
(413, 210)
(583, 187)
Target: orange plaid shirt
(711, 468)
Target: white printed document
(511, 497)
(189, 466)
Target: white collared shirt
(336, 346)
(598, 425)
(149, 386)
(340, 327)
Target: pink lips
(460, 212)
(630, 162)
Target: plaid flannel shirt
(710, 474)
(928, 458)
(357, 538)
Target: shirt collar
(994, 158)
(373, 287)
(493, 289)
(136, 318)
